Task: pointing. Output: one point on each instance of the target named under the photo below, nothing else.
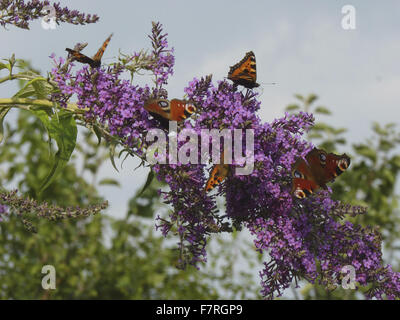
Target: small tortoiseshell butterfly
(164, 110)
(319, 168)
(218, 173)
(244, 73)
(94, 62)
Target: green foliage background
(98, 257)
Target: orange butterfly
(244, 73)
(164, 110)
(94, 62)
(218, 174)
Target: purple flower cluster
(3, 211)
(115, 103)
(305, 239)
(163, 58)
(20, 14)
(10, 201)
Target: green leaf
(40, 88)
(314, 135)
(322, 110)
(109, 181)
(36, 87)
(322, 127)
(92, 167)
(396, 161)
(365, 151)
(12, 59)
(340, 141)
(311, 98)
(97, 132)
(4, 66)
(299, 97)
(112, 155)
(339, 131)
(9, 65)
(150, 178)
(379, 130)
(62, 128)
(292, 107)
(3, 113)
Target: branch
(25, 103)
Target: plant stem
(9, 77)
(24, 103)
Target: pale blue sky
(298, 44)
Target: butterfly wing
(244, 73)
(174, 110)
(94, 62)
(97, 57)
(218, 174)
(181, 110)
(160, 110)
(303, 183)
(161, 107)
(326, 166)
(76, 55)
(319, 168)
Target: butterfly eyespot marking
(190, 108)
(163, 104)
(298, 174)
(322, 158)
(316, 173)
(343, 164)
(299, 194)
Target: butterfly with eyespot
(244, 72)
(95, 61)
(164, 110)
(316, 170)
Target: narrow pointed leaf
(63, 130)
(150, 178)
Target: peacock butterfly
(313, 173)
(164, 110)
